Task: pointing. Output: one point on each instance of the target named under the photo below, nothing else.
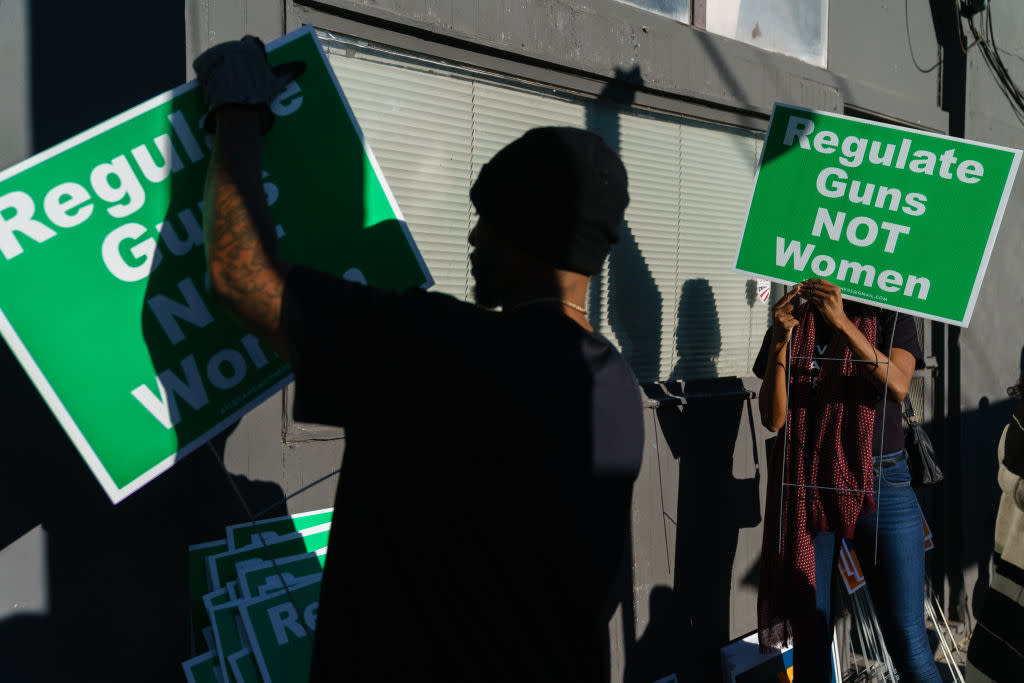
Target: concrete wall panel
(873, 46)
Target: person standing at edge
(483, 505)
(996, 652)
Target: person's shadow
(634, 302)
(634, 307)
(699, 336)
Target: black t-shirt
(905, 338)
(483, 504)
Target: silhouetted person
(483, 503)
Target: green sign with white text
(244, 534)
(103, 294)
(898, 218)
(281, 627)
(222, 568)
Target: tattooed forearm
(245, 274)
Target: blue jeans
(896, 582)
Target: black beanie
(556, 193)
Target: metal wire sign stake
(785, 434)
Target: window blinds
(667, 297)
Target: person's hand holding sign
(772, 397)
(236, 73)
(828, 299)
(783, 321)
(896, 370)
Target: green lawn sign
(242, 535)
(223, 567)
(298, 542)
(243, 667)
(262, 578)
(198, 587)
(238, 536)
(203, 669)
(280, 630)
(228, 638)
(103, 295)
(214, 598)
(898, 218)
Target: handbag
(924, 471)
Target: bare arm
(899, 364)
(772, 399)
(246, 275)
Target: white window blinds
(668, 297)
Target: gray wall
(869, 61)
(15, 106)
(870, 44)
(70, 562)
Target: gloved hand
(236, 72)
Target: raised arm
(246, 275)
(771, 401)
(898, 366)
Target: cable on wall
(986, 42)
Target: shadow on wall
(602, 119)
(982, 429)
(690, 622)
(980, 492)
(634, 308)
(699, 335)
(963, 518)
(634, 302)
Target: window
(798, 28)
(676, 9)
(668, 296)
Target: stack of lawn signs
(253, 600)
(951, 653)
(874, 664)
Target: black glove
(236, 72)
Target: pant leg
(896, 582)
(812, 660)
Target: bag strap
(909, 416)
